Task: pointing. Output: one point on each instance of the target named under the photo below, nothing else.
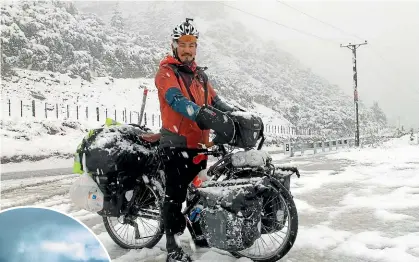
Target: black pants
(180, 171)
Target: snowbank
(37, 140)
(388, 152)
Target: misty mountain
(129, 39)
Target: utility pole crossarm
(353, 47)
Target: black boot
(202, 243)
(174, 252)
(178, 255)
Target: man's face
(186, 50)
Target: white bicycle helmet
(184, 28)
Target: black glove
(221, 105)
(211, 118)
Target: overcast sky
(41, 235)
(388, 66)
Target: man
(186, 119)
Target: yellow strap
(111, 122)
(77, 165)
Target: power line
(337, 28)
(341, 30)
(271, 21)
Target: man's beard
(188, 60)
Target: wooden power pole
(353, 47)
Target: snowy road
(35, 173)
(354, 205)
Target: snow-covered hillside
(56, 36)
(50, 135)
(107, 93)
(103, 92)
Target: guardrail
(319, 146)
(300, 148)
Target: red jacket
(178, 126)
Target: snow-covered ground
(51, 133)
(353, 205)
(103, 92)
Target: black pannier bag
(115, 156)
(115, 148)
(231, 217)
(249, 128)
(277, 216)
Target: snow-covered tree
(117, 21)
(378, 113)
(54, 36)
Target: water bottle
(195, 214)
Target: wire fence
(36, 109)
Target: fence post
(315, 147)
(77, 112)
(152, 119)
(138, 116)
(21, 108)
(330, 145)
(56, 110)
(126, 118)
(68, 112)
(114, 115)
(87, 112)
(97, 114)
(33, 108)
(10, 107)
(292, 148)
(106, 112)
(130, 117)
(46, 112)
(145, 119)
(160, 122)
